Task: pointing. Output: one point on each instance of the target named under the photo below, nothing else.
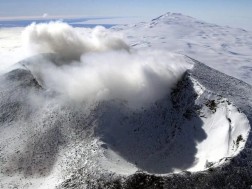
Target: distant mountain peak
(171, 15)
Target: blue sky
(237, 13)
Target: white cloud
(60, 38)
(101, 65)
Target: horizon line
(41, 17)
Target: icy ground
(220, 47)
(197, 135)
(194, 129)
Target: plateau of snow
(220, 47)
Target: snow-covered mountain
(93, 112)
(220, 47)
(45, 142)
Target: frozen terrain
(87, 110)
(11, 47)
(194, 128)
(220, 47)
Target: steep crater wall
(194, 129)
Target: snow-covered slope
(218, 132)
(10, 47)
(45, 141)
(114, 116)
(220, 47)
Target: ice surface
(223, 48)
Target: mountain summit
(220, 47)
(172, 16)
